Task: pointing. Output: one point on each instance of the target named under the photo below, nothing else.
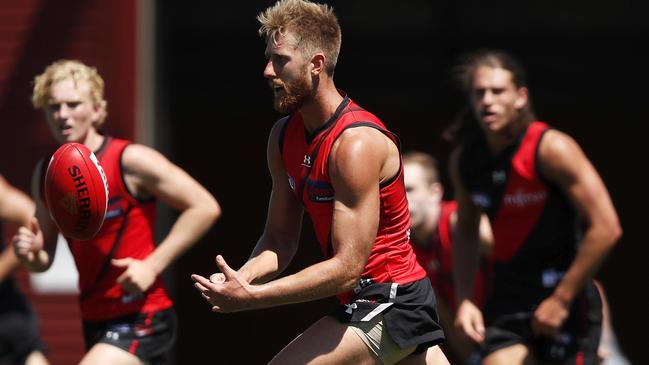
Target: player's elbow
(614, 232)
(211, 209)
(350, 277)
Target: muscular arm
(358, 161)
(278, 243)
(16, 208)
(564, 163)
(355, 165)
(149, 172)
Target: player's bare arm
(563, 162)
(35, 242)
(148, 173)
(485, 233)
(358, 162)
(466, 256)
(279, 241)
(16, 208)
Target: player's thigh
(326, 342)
(432, 356)
(518, 354)
(105, 354)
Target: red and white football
(76, 191)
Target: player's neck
(322, 107)
(93, 140)
(506, 137)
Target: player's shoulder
(136, 157)
(361, 139)
(557, 144)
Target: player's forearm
(466, 259)
(190, 226)
(8, 264)
(592, 252)
(268, 259)
(318, 281)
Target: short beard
(296, 94)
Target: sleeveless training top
(306, 161)
(437, 257)
(127, 231)
(535, 227)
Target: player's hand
(228, 292)
(469, 321)
(549, 316)
(28, 241)
(137, 277)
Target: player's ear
(317, 64)
(521, 98)
(437, 190)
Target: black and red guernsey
(306, 157)
(536, 229)
(436, 257)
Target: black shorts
(409, 311)
(19, 331)
(19, 336)
(576, 343)
(149, 336)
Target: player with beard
(338, 162)
(552, 218)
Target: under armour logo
(350, 308)
(307, 161)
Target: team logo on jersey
(481, 199)
(114, 209)
(319, 191)
(306, 162)
(521, 198)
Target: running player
(433, 223)
(338, 162)
(538, 189)
(127, 315)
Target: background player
(20, 341)
(433, 227)
(127, 314)
(537, 187)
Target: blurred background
(186, 78)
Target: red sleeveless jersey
(129, 225)
(306, 162)
(437, 258)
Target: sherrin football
(76, 191)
